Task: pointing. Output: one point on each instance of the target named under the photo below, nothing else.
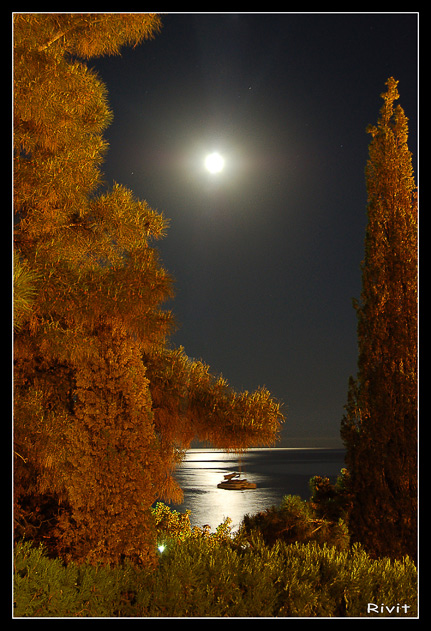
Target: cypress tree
(379, 428)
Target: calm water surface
(277, 472)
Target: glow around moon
(214, 163)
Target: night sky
(265, 254)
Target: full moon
(214, 162)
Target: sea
(276, 472)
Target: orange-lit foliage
(190, 403)
(103, 408)
(380, 426)
(113, 465)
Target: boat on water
(233, 482)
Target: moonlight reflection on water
(277, 472)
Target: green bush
(47, 587)
(195, 577)
(173, 525)
(295, 520)
(331, 501)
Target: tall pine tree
(104, 409)
(380, 425)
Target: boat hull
(236, 485)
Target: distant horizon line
(341, 448)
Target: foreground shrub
(331, 501)
(198, 578)
(174, 526)
(295, 520)
(47, 587)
